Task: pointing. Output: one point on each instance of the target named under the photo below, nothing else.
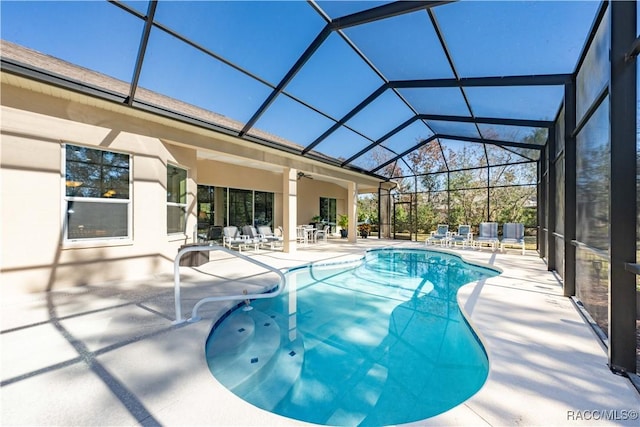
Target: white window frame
(66, 199)
(181, 205)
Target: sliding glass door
(233, 206)
(240, 207)
(263, 209)
(328, 212)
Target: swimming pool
(375, 342)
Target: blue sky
(266, 38)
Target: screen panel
(515, 38)
(70, 31)
(198, 79)
(335, 79)
(391, 45)
(265, 38)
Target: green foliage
(368, 208)
(426, 217)
(401, 219)
(453, 178)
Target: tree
(426, 161)
(368, 208)
(455, 179)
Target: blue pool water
(377, 342)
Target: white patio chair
(233, 239)
(270, 236)
(512, 235)
(253, 236)
(322, 233)
(487, 235)
(441, 235)
(464, 237)
(302, 236)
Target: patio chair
(302, 234)
(214, 234)
(323, 233)
(253, 236)
(441, 234)
(463, 237)
(311, 232)
(270, 236)
(233, 239)
(487, 235)
(512, 235)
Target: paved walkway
(108, 354)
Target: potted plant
(316, 221)
(343, 223)
(364, 229)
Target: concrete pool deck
(108, 354)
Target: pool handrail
(194, 313)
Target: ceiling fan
(304, 175)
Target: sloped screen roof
(359, 84)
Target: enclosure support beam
(289, 209)
(551, 200)
(569, 189)
(352, 212)
(382, 12)
(151, 11)
(488, 185)
(542, 204)
(622, 190)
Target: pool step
(277, 380)
(244, 351)
(232, 336)
(253, 363)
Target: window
(97, 193)
(176, 200)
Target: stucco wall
(34, 128)
(34, 254)
(218, 174)
(309, 193)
